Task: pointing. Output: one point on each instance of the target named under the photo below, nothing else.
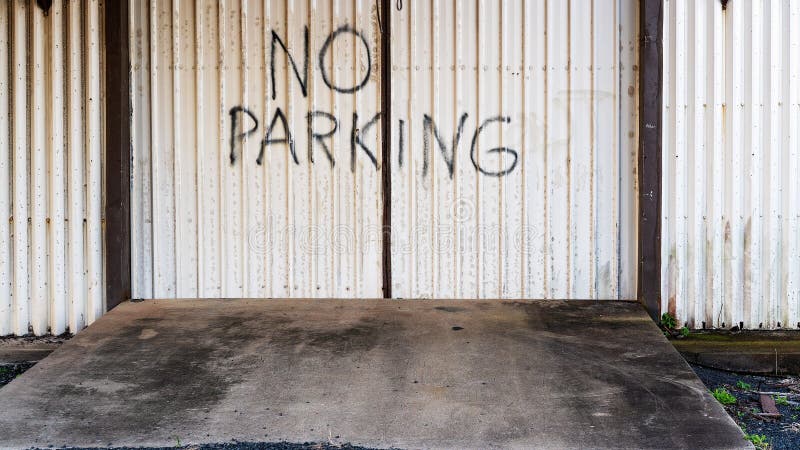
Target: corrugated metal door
(731, 204)
(256, 144)
(51, 97)
(257, 149)
(516, 139)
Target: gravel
(778, 434)
(249, 446)
(32, 340)
(10, 371)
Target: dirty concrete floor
(376, 373)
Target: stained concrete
(378, 373)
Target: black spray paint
(270, 140)
(318, 134)
(320, 137)
(501, 150)
(401, 140)
(302, 79)
(324, 51)
(355, 139)
(428, 127)
(234, 125)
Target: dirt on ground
(10, 371)
(249, 446)
(741, 397)
(20, 341)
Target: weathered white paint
(562, 224)
(206, 227)
(731, 198)
(50, 167)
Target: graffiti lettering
(501, 150)
(239, 137)
(318, 135)
(326, 47)
(355, 139)
(302, 79)
(270, 140)
(401, 140)
(429, 127)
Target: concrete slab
(379, 373)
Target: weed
(781, 400)
(759, 440)
(743, 386)
(723, 396)
(685, 332)
(667, 321)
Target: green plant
(781, 400)
(759, 440)
(685, 331)
(723, 396)
(743, 386)
(667, 321)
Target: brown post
(117, 231)
(386, 144)
(651, 21)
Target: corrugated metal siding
(731, 205)
(50, 167)
(553, 82)
(204, 226)
(561, 225)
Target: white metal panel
(730, 199)
(206, 224)
(50, 167)
(6, 238)
(550, 213)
